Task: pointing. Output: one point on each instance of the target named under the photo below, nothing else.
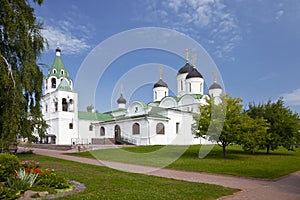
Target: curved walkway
(287, 187)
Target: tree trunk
(224, 150)
(268, 149)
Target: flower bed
(19, 176)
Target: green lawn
(105, 183)
(239, 163)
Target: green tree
(284, 124)
(21, 43)
(90, 108)
(253, 133)
(221, 122)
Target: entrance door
(117, 134)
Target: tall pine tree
(21, 43)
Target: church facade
(166, 120)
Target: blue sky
(255, 44)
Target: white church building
(166, 120)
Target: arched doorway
(117, 134)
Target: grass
(105, 183)
(238, 163)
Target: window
(160, 129)
(53, 83)
(71, 126)
(190, 86)
(200, 87)
(136, 109)
(165, 94)
(102, 131)
(177, 127)
(91, 127)
(155, 95)
(71, 107)
(64, 105)
(181, 85)
(54, 71)
(135, 129)
(62, 72)
(56, 106)
(46, 107)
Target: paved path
(287, 187)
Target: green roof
(94, 116)
(64, 86)
(197, 96)
(58, 65)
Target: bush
(8, 165)
(8, 193)
(50, 179)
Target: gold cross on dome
(194, 60)
(187, 51)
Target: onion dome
(194, 74)
(185, 69)
(160, 83)
(121, 100)
(215, 86)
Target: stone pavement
(287, 187)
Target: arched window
(62, 72)
(53, 83)
(181, 85)
(71, 105)
(200, 87)
(155, 95)
(64, 105)
(56, 106)
(160, 128)
(190, 86)
(46, 82)
(102, 131)
(135, 129)
(54, 71)
(70, 125)
(91, 127)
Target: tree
(284, 124)
(221, 122)
(90, 108)
(253, 133)
(21, 43)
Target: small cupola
(215, 90)
(160, 89)
(121, 100)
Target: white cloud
(71, 31)
(293, 98)
(69, 43)
(198, 18)
(279, 14)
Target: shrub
(8, 193)
(8, 165)
(50, 179)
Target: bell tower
(59, 104)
